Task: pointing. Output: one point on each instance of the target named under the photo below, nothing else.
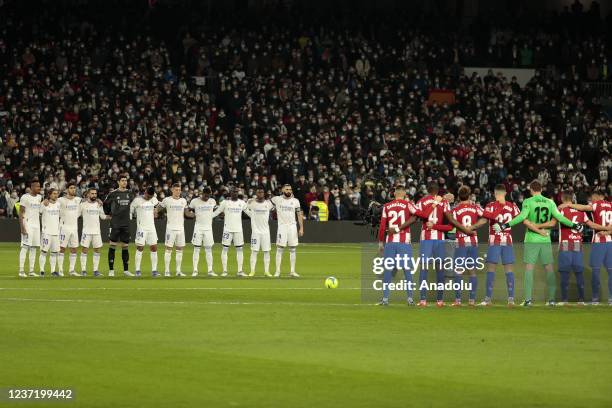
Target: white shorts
(50, 243)
(287, 235)
(69, 238)
(175, 238)
(260, 241)
(95, 240)
(33, 237)
(145, 238)
(203, 238)
(232, 237)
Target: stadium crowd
(339, 113)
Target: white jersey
(50, 218)
(232, 221)
(203, 213)
(175, 213)
(92, 213)
(145, 213)
(69, 212)
(32, 204)
(260, 216)
(286, 209)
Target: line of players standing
(59, 216)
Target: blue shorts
(392, 249)
(433, 248)
(601, 255)
(503, 253)
(571, 260)
(469, 252)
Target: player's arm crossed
(541, 229)
(453, 221)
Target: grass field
(213, 342)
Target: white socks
(72, 262)
(179, 260)
(224, 258)
(154, 261)
(23, 252)
(292, 259)
(42, 260)
(253, 261)
(279, 259)
(266, 257)
(32, 258)
(196, 258)
(167, 257)
(239, 258)
(138, 260)
(209, 258)
(53, 260)
(84, 261)
(60, 262)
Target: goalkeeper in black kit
(117, 205)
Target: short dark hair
(400, 187)
(567, 195)
(151, 190)
(70, 183)
(464, 193)
(599, 191)
(207, 190)
(432, 187)
(500, 188)
(176, 185)
(34, 181)
(536, 186)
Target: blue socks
(457, 280)
(474, 283)
(510, 284)
(490, 282)
(440, 279)
(565, 277)
(580, 285)
(595, 282)
(423, 278)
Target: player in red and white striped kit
(394, 236)
(601, 251)
(570, 246)
(467, 214)
(500, 243)
(432, 240)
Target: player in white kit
(145, 209)
(92, 211)
(232, 229)
(287, 211)
(29, 222)
(176, 211)
(69, 234)
(259, 211)
(203, 208)
(50, 211)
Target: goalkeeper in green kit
(538, 210)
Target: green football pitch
(260, 342)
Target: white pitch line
(212, 302)
(165, 288)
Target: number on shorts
(226, 235)
(253, 241)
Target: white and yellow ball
(331, 283)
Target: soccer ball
(331, 283)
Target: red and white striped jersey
(466, 214)
(502, 213)
(436, 217)
(394, 214)
(602, 215)
(569, 239)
